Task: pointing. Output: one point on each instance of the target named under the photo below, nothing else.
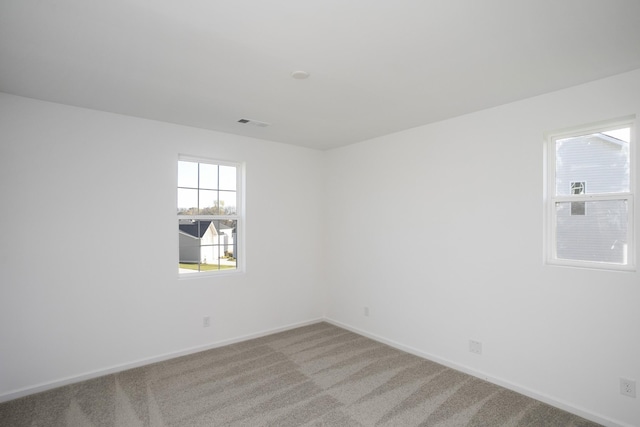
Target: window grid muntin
(218, 216)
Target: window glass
(187, 174)
(208, 220)
(208, 176)
(591, 199)
(597, 158)
(227, 202)
(208, 203)
(227, 178)
(187, 201)
(597, 234)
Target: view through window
(591, 198)
(208, 216)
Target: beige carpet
(318, 375)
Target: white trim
(208, 217)
(592, 197)
(597, 127)
(207, 160)
(49, 385)
(561, 404)
(212, 273)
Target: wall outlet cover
(627, 387)
(475, 347)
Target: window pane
(187, 174)
(189, 244)
(209, 256)
(228, 202)
(206, 245)
(187, 201)
(227, 178)
(598, 232)
(593, 164)
(226, 227)
(208, 176)
(228, 260)
(227, 241)
(208, 202)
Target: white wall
(88, 253)
(467, 195)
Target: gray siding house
(592, 230)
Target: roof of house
(194, 228)
(190, 227)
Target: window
(590, 187)
(208, 216)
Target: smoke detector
(300, 75)
(256, 123)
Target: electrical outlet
(206, 321)
(366, 311)
(475, 347)
(627, 387)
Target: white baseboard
(142, 362)
(608, 422)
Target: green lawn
(206, 267)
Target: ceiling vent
(251, 122)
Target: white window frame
(239, 217)
(550, 218)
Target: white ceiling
(377, 66)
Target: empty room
(388, 213)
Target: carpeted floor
(317, 375)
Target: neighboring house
(592, 230)
(200, 241)
(226, 238)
